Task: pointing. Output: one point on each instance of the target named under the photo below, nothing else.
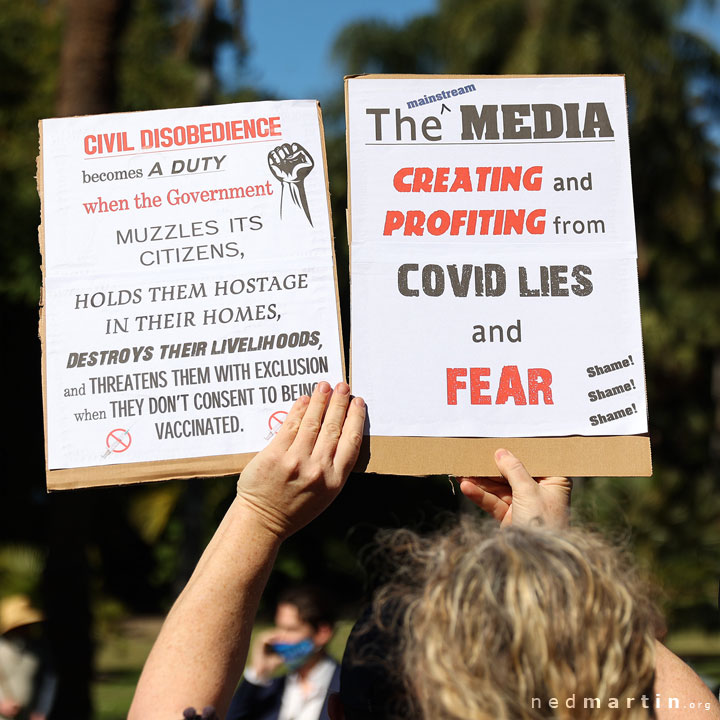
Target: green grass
(120, 658)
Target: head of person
(305, 620)
(18, 616)
(512, 623)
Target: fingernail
(359, 402)
(342, 388)
(324, 387)
(501, 453)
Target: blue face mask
(294, 655)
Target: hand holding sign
(517, 498)
(291, 164)
(305, 466)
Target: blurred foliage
(29, 42)
(152, 73)
(150, 511)
(21, 568)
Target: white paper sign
(494, 270)
(189, 280)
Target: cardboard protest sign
(189, 287)
(494, 274)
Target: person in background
(304, 624)
(27, 680)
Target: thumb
(514, 472)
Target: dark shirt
(262, 702)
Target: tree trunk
(87, 85)
(88, 57)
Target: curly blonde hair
(519, 623)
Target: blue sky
(291, 41)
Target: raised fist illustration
(291, 164)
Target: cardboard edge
(321, 127)
(40, 183)
(576, 456)
(350, 343)
(348, 223)
(454, 76)
(156, 471)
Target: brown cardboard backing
(130, 473)
(578, 456)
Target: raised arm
(199, 655)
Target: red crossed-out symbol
(276, 420)
(118, 440)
